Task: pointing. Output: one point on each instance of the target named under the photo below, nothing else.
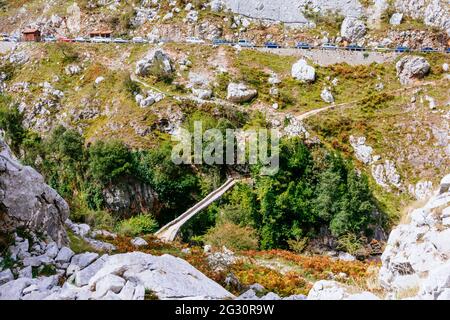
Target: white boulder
(166, 276)
(327, 96)
(410, 68)
(239, 92)
(353, 29)
(303, 72)
(332, 290)
(139, 242)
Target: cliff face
(27, 202)
(433, 13)
(292, 11)
(416, 260)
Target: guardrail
(251, 46)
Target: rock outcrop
(156, 63)
(411, 68)
(353, 29)
(126, 276)
(27, 202)
(433, 13)
(130, 196)
(303, 72)
(292, 12)
(239, 92)
(332, 290)
(416, 261)
(363, 152)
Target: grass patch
(78, 245)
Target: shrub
(11, 122)
(7, 69)
(109, 160)
(298, 245)
(350, 243)
(99, 220)
(141, 224)
(132, 87)
(232, 236)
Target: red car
(65, 39)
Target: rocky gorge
(414, 262)
(357, 208)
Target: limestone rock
(83, 276)
(6, 276)
(410, 68)
(303, 72)
(396, 19)
(156, 63)
(353, 29)
(64, 255)
(422, 266)
(327, 96)
(239, 92)
(27, 201)
(332, 290)
(168, 277)
(139, 242)
(109, 282)
(362, 151)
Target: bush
(11, 123)
(298, 245)
(99, 220)
(109, 160)
(232, 236)
(141, 224)
(132, 87)
(7, 69)
(350, 243)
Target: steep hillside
(364, 138)
(403, 22)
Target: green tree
(11, 122)
(109, 160)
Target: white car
(80, 39)
(138, 40)
(120, 40)
(194, 40)
(49, 39)
(97, 40)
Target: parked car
(80, 39)
(120, 40)
(428, 50)
(303, 45)
(96, 39)
(220, 42)
(447, 50)
(354, 47)
(49, 39)
(4, 37)
(382, 49)
(402, 49)
(138, 40)
(244, 43)
(65, 39)
(194, 40)
(14, 39)
(272, 45)
(329, 46)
